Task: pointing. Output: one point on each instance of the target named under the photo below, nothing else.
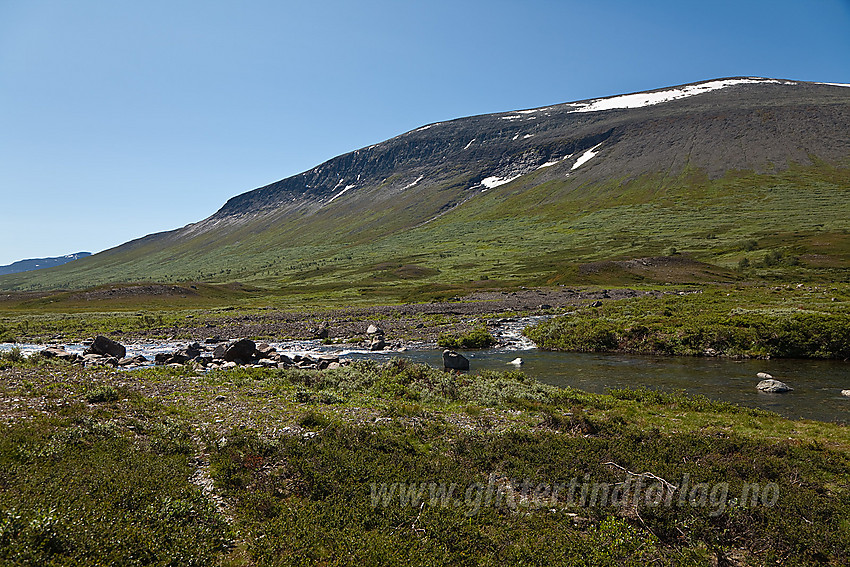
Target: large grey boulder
(378, 343)
(374, 330)
(774, 386)
(242, 350)
(454, 361)
(107, 347)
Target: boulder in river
(516, 362)
(774, 386)
(845, 393)
(454, 361)
(764, 376)
(107, 347)
(378, 343)
(241, 350)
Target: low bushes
(803, 335)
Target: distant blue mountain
(40, 263)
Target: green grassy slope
(788, 223)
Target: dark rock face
(454, 361)
(106, 347)
(241, 350)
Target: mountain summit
(533, 196)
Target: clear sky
(119, 118)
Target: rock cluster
(244, 352)
(770, 384)
(208, 356)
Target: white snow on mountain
(586, 156)
(491, 182)
(335, 197)
(638, 100)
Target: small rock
(322, 332)
(454, 361)
(373, 330)
(774, 386)
(710, 352)
(764, 376)
(265, 349)
(596, 304)
(131, 360)
(60, 353)
(337, 365)
(845, 393)
(516, 362)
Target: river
(817, 383)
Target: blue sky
(122, 118)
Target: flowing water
(817, 383)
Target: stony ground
(408, 323)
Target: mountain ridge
(465, 170)
(31, 264)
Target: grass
(96, 466)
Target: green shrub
(795, 335)
(13, 355)
(479, 337)
(102, 395)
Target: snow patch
(586, 156)
(639, 100)
(409, 185)
(335, 197)
(466, 147)
(551, 163)
(527, 136)
(428, 126)
(835, 84)
(491, 182)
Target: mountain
(40, 263)
(720, 171)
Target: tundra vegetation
(280, 467)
